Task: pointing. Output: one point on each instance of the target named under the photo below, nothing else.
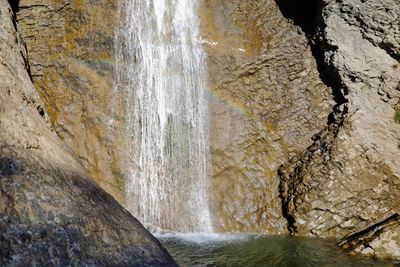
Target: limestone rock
(50, 212)
(272, 93)
(378, 22)
(71, 54)
(349, 178)
(267, 101)
(379, 240)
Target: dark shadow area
(367, 234)
(307, 15)
(14, 5)
(9, 167)
(291, 227)
(39, 108)
(303, 13)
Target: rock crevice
(349, 177)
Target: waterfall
(161, 70)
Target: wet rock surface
(267, 101)
(51, 213)
(52, 217)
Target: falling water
(161, 70)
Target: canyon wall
(71, 56)
(346, 184)
(303, 102)
(267, 101)
(51, 213)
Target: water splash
(206, 238)
(161, 70)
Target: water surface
(252, 250)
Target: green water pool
(257, 250)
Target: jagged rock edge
(367, 235)
(325, 139)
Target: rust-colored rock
(267, 101)
(71, 54)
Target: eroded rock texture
(378, 22)
(379, 239)
(270, 102)
(71, 54)
(51, 214)
(267, 101)
(267, 98)
(349, 179)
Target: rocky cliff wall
(303, 100)
(267, 101)
(346, 184)
(71, 54)
(51, 213)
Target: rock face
(349, 179)
(381, 239)
(303, 99)
(50, 212)
(71, 54)
(267, 102)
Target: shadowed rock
(51, 213)
(348, 179)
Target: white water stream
(161, 70)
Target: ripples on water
(251, 250)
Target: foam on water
(205, 238)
